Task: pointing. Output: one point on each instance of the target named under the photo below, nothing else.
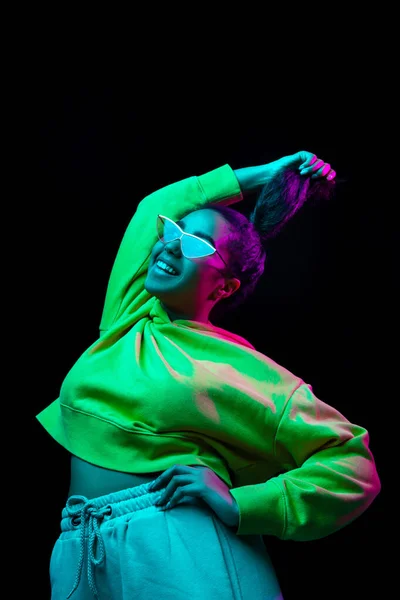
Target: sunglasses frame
(183, 233)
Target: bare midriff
(91, 481)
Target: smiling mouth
(164, 272)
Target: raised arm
(125, 291)
(308, 164)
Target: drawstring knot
(89, 517)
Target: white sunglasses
(191, 245)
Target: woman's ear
(230, 287)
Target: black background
(322, 308)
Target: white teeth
(162, 265)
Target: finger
(326, 172)
(325, 169)
(180, 493)
(312, 167)
(322, 171)
(309, 161)
(318, 169)
(176, 482)
(165, 477)
(318, 164)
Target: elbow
(370, 486)
(375, 486)
(364, 468)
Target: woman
(187, 445)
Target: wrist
(252, 178)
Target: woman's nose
(174, 247)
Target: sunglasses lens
(191, 247)
(194, 248)
(166, 230)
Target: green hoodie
(151, 393)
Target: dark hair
(277, 202)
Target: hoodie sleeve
(126, 282)
(327, 475)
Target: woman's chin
(156, 290)
(160, 283)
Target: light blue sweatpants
(123, 547)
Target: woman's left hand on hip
(201, 482)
